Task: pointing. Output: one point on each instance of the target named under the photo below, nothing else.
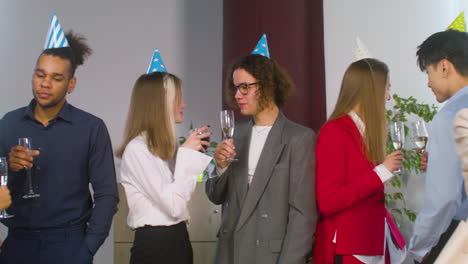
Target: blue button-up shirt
(75, 150)
(445, 198)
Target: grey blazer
(274, 220)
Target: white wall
(123, 35)
(391, 30)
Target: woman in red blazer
(354, 225)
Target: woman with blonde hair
(159, 177)
(354, 225)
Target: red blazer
(350, 195)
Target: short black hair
(77, 53)
(451, 45)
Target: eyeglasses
(244, 87)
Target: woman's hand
(194, 139)
(393, 161)
(5, 198)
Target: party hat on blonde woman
(361, 51)
(459, 23)
(156, 63)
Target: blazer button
(382, 200)
(264, 216)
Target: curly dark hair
(77, 53)
(273, 80)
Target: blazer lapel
(268, 158)
(242, 142)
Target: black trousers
(162, 245)
(46, 246)
(435, 251)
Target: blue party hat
(156, 63)
(55, 37)
(262, 47)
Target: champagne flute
(397, 135)
(3, 182)
(227, 125)
(419, 134)
(26, 142)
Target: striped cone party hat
(459, 23)
(262, 47)
(361, 51)
(156, 63)
(55, 37)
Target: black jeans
(161, 245)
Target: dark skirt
(161, 245)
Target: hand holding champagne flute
(227, 125)
(397, 135)
(26, 142)
(3, 182)
(419, 134)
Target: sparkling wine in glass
(26, 142)
(227, 125)
(419, 134)
(3, 182)
(397, 135)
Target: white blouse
(157, 196)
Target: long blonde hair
(152, 105)
(364, 85)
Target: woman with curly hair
(268, 195)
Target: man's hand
(5, 198)
(21, 157)
(423, 165)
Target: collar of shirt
(358, 121)
(463, 91)
(64, 114)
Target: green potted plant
(400, 112)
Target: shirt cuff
(383, 173)
(93, 243)
(420, 246)
(220, 171)
(198, 162)
(415, 256)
